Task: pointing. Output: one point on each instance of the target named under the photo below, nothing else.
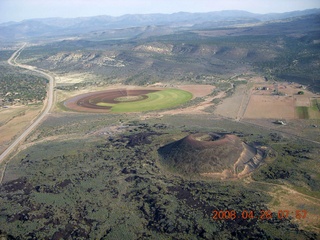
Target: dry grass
(287, 199)
(74, 78)
(14, 120)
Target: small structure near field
(280, 122)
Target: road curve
(45, 111)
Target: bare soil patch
(278, 107)
(302, 101)
(231, 106)
(74, 78)
(266, 103)
(197, 90)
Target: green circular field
(155, 100)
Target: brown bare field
(197, 90)
(231, 106)
(279, 107)
(302, 101)
(264, 104)
(13, 120)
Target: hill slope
(210, 154)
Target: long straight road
(48, 103)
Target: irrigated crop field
(155, 101)
(123, 100)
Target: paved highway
(48, 103)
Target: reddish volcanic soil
(87, 102)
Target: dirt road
(47, 107)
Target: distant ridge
(47, 27)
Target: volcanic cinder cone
(221, 155)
